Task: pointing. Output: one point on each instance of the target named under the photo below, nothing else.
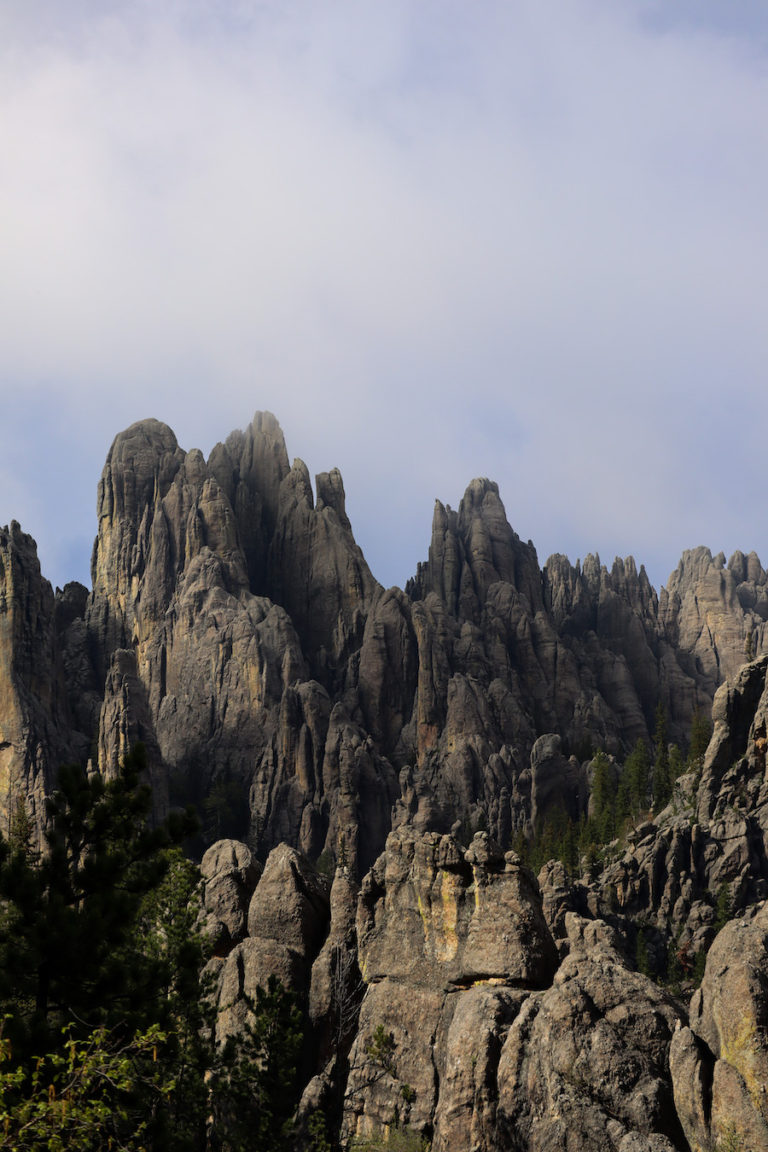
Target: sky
(522, 239)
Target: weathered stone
(290, 904)
(230, 874)
(430, 915)
(473, 1028)
(399, 1085)
(719, 1065)
(589, 1055)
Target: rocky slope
(453, 997)
(439, 1004)
(405, 739)
(234, 626)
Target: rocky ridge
(452, 996)
(404, 739)
(234, 627)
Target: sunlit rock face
(38, 731)
(719, 1064)
(402, 740)
(235, 628)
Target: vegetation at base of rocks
(107, 1042)
(394, 1140)
(381, 1049)
(731, 1140)
(252, 1085)
(642, 959)
(90, 1093)
(620, 796)
(684, 969)
(318, 1134)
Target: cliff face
(37, 729)
(235, 628)
(454, 997)
(404, 737)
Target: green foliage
(635, 779)
(556, 839)
(380, 1049)
(107, 1041)
(19, 828)
(318, 1134)
(253, 1083)
(167, 929)
(98, 952)
(642, 958)
(223, 810)
(676, 763)
(701, 734)
(604, 793)
(662, 784)
(88, 1094)
(699, 966)
(68, 947)
(395, 1140)
(731, 1140)
(723, 907)
(325, 865)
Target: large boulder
(433, 914)
(230, 874)
(584, 1064)
(719, 1064)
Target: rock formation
(405, 739)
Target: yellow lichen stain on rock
(447, 941)
(425, 921)
(476, 887)
(741, 1049)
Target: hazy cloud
(524, 240)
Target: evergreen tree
(68, 948)
(701, 734)
(253, 1085)
(662, 787)
(634, 780)
(89, 970)
(603, 794)
(676, 763)
(105, 1040)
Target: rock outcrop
(719, 1064)
(235, 628)
(406, 739)
(38, 732)
(466, 1027)
(447, 940)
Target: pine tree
(253, 1085)
(88, 971)
(701, 734)
(604, 789)
(662, 787)
(676, 763)
(636, 774)
(68, 949)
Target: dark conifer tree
(662, 786)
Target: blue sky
(525, 240)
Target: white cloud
(527, 242)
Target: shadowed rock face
(37, 728)
(235, 628)
(719, 1064)
(471, 1031)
